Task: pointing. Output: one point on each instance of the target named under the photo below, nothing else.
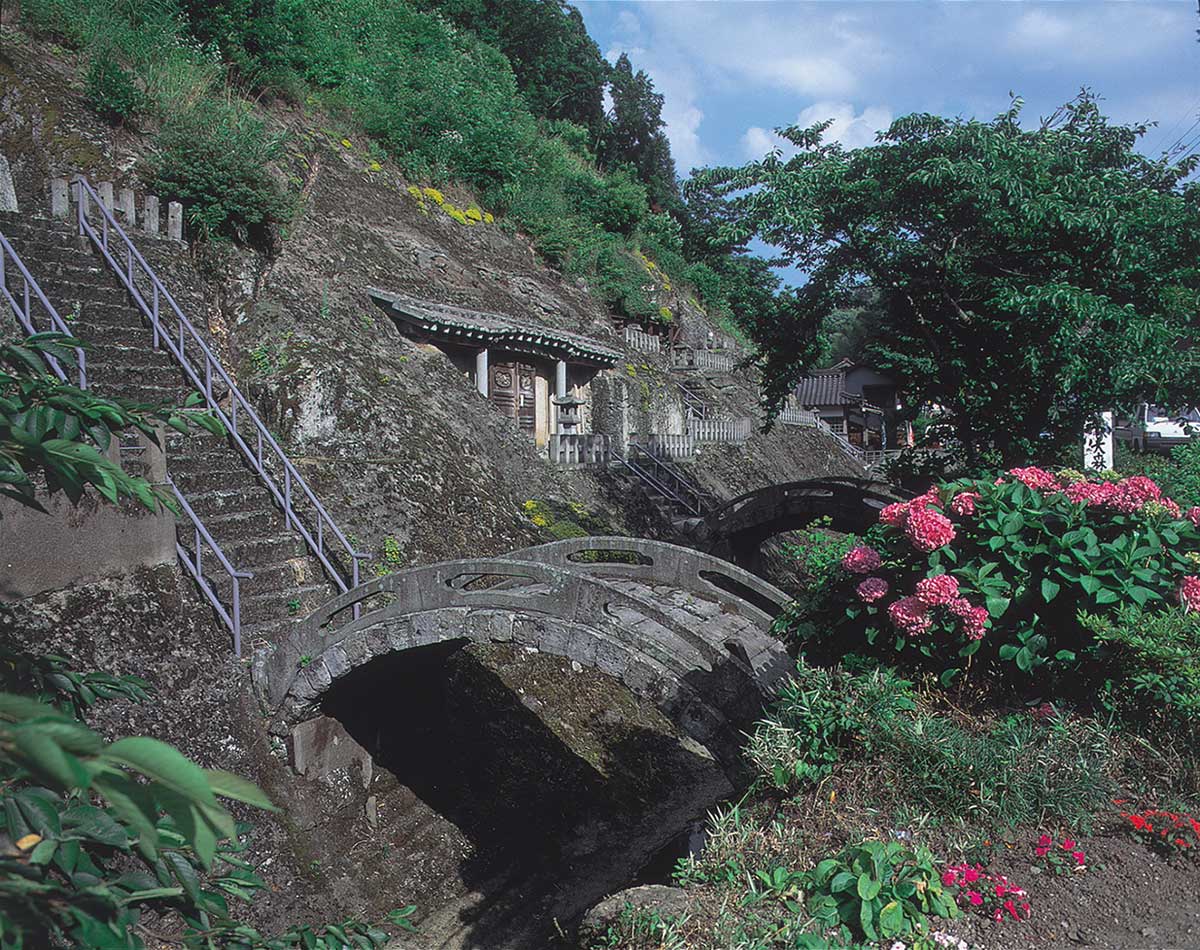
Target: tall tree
(1028, 278)
(558, 67)
(635, 134)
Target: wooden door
(513, 389)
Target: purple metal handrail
(232, 617)
(176, 340)
(24, 313)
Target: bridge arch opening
(523, 785)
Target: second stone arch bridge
(737, 529)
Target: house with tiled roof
(857, 401)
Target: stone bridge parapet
(681, 629)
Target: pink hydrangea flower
(1193, 515)
(931, 496)
(949, 879)
(1036, 478)
(895, 514)
(909, 615)
(1132, 493)
(1189, 592)
(937, 590)
(973, 618)
(964, 503)
(1078, 856)
(861, 560)
(871, 590)
(975, 897)
(928, 530)
(1091, 493)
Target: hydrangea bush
(998, 570)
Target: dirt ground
(1129, 898)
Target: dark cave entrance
(563, 783)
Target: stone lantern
(568, 413)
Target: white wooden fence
(798, 417)
(642, 341)
(683, 357)
(669, 446)
(580, 450)
(720, 430)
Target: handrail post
(237, 616)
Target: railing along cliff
(22, 308)
(173, 329)
(193, 562)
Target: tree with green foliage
(558, 67)
(1029, 278)
(635, 134)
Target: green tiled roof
(484, 329)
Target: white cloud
(683, 130)
(757, 141)
(1105, 32)
(853, 130)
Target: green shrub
(1151, 664)
(1018, 769)
(986, 575)
(215, 159)
(819, 714)
(110, 90)
(878, 891)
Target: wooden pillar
(175, 221)
(481, 372)
(560, 379)
(60, 203)
(150, 215)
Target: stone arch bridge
(682, 629)
(737, 529)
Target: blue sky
(731, 71)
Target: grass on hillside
(444, 105)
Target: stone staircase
(235, 506)
(678, 500)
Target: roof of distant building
(825, 387)
(482, 328)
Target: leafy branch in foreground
(61, 432)
(77, 809)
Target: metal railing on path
(193, 562)
(22, 308)
(201, 366)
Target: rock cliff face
(418, 468)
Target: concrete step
(201, 483)
(226, 500)
(291, 603)
(156, 375)
(249, 553)
(74, 291)
(242, 522)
